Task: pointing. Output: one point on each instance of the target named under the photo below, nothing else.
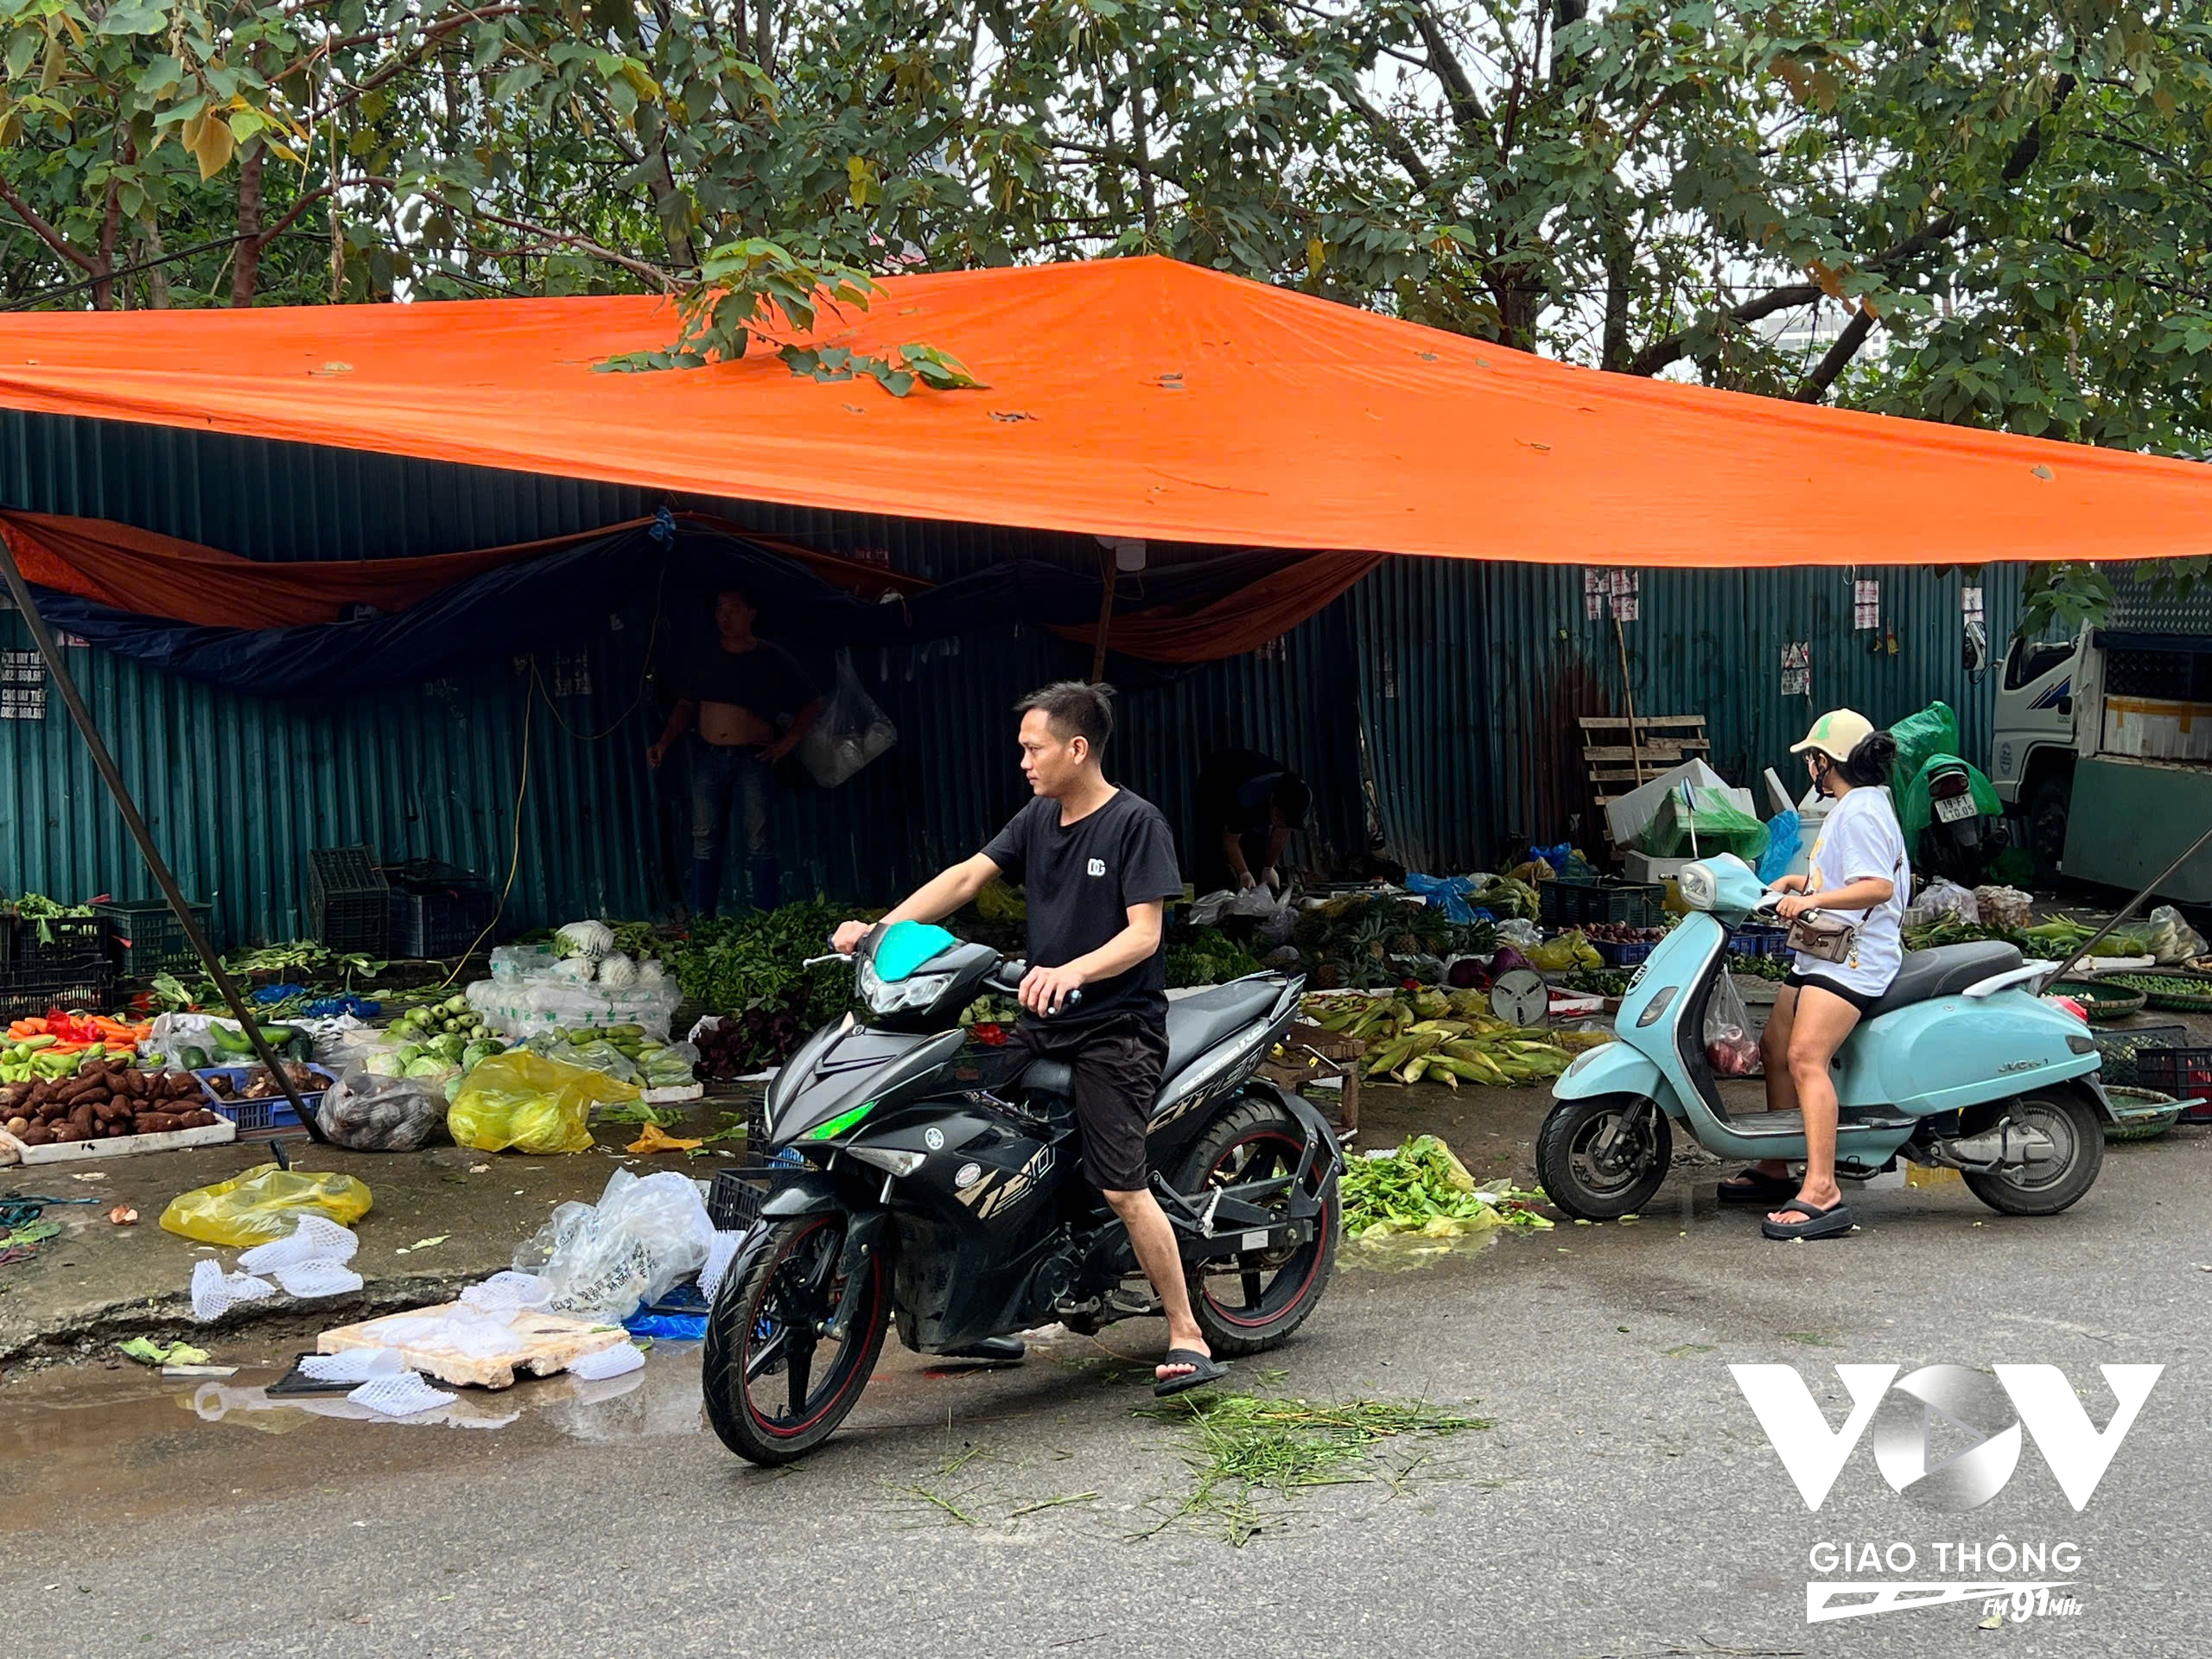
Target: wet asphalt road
(1624, 1501)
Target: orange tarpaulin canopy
(1136, 397)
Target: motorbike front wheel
(775, 1387)
(1602, 1158)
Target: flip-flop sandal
(1204, 1368)
(1832, 1223)
(1756, 1186)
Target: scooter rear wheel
(1602, 1158)
(2078, 1135)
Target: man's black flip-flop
(1756, 1186)
(1204, 1368)
(1832, 1223)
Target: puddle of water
(139, 1444)
(1406, 1252)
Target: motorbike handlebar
(1007, 977)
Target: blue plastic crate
(1623, 956)
(1761, 942)
(259, 1114)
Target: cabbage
(1506, 960)
(448, 1048)
(408, 1053)
(617, 971)
(477, 1052)
(385, 1064)
(576, 967)
(588, 939)
(428, 1067)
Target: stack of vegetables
(1357, 941)
(1421, 1187)
(625, 1052)
(1447, 1037)
(440, 1041)
(54, 1044)
(108, 1099)
(228, 1044)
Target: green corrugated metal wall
(1455, 684)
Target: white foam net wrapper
(617, 1361)
(215, 1293)
(352, 1365)
(317, 1238)
(402, 1396)
(314, 1279)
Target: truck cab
(2101, 747)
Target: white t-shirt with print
(1860, 840)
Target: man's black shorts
(1117, 1064)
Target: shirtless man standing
(753, 703)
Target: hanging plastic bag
(1942, 898)
(1785, 836)
(1730, 1048)
(644, 1236)
(850, 732)
(263, 1206)
(370, 1110)
(532, 1104)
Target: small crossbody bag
(1823, 937)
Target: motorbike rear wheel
(1251, 1303)
(2075, 1131)
(1603, 1157)
(775, 1388)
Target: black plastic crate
(439, 924)
(1570, 904)
(2120, 1049)
(2184, 1073)
(735, 1203)
(29, 989)
(348, 900)
(430, 875)
(57, 941)
(144, 937)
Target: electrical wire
(514, 863)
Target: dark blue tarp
(551, 599)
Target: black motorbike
(929, 1191)
(1961, 839)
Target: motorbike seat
(1052, 1077)
(1197, 1023)
(1944, 971)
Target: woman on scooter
(1858, 869)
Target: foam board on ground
(1626, 817)
(13, 1151)
(544, 1343)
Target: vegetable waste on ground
(1447, 1037)
(1423, 1187)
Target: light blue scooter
(1961, 1064)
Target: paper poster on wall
(22, 685)
(1797, 669)
(1866, 605)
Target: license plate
(1959, 806)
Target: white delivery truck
(2102, 746)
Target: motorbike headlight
(893, 996)
(897, 1163)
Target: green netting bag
(1705, 822)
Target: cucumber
(193, 1059)
(228, 1038)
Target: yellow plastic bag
(530, 1103)
(263, 1205)
(1568, 951)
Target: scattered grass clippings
(1244, 1450)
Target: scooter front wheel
(1602, 1158)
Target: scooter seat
(1197, 1023)
(1944, 971)
(1052, 1077)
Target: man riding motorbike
(1096, 865)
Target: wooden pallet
(544, 1342)
(1659, 743)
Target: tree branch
(653, 274)
(1662, 353)
(1839, 354)
(1444, 63)
(46, 233)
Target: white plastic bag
(368, 1111)
(2171, 938)
(1942, 898)
(644, 1236)
(850, 732)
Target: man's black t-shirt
(1079, 880)
(766, 681)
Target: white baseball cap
(1836, 734)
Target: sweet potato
(155, 1123)
(37, 1135)
(200, 1119)
(81, 1119)
(17, 1125)
(63, 1132)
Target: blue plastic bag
(1448, 894)
(1784, 835)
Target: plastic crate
(144, 937)
(257, 1115)
(1623, 956)
(2184, 1073)
(2121, 1048)
(1761, 942)
(428, 925)
(348, 900)
(1633, 904)
(735, 1203)
(58, 941)
(29, 989)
